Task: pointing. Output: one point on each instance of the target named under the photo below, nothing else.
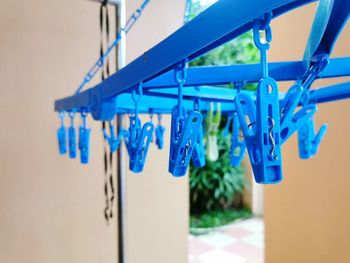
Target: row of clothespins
(188, 141)
(138, 138)
(266, 123)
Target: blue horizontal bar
(125, 104)
(220, 23)
(221, 75)
(166, 99)
(331, 93)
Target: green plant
(218, 185)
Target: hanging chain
(101, 61)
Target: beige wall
(307, 215)
(157, 203)
(51, 208)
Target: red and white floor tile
(240, 242)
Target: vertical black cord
(108, 212)
(108, 162)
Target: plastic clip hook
(184, 132)
(151, 115)
(84, 140)
(61, 135)
(138, 140)
(291, 121)
(159, 131)
(72, 137)
(261, 123)
(198, 155)
(262, 24)
(113, 140)
(309, 141)
(238, 146)
(261, 130)
(226, 130)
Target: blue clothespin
(159, 131)
(137, 143)
(72, 137)
(261, 122)
(183, 138)
(84, 139)
(61, 136)
(229, 124)
(238, 146)
(291, 121)
(198, 155)
(151, 119)
(309, 141)
(113, 140)
(184, 129)
(138, 139)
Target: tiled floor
(241, 242)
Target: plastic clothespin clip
(151, 114)
(291, 121)
(159, 131)
(212, 128)
(260, 127)
(261, 122)
(309, 141)
(113, 140)
(229, 123)
(137, 143)
(183, 139)
(184, 129)
(198, 155)
(138, 140)
(84, 139)
(61, 135)
(72, 137)
(238, 146)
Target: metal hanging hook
(272, 139)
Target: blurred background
(51, 208)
